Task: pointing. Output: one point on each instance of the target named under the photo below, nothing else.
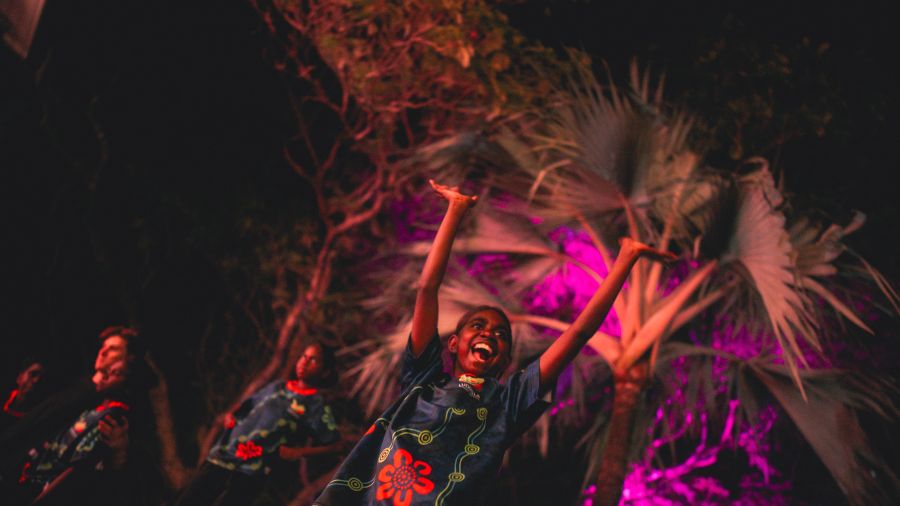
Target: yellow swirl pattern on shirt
(470, 449)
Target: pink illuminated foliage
(689, 475)
(686, 480)
(690, 479)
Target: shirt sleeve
(522, 401)
(250, 402)
(419, 369)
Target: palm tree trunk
(614, 463)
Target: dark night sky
(195, 119)
(838, 173)
(194, 116)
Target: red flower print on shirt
(402, 478)
(248, 450)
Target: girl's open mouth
(483, 351)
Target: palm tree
(608, 163)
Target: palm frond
(530, 272)
(598, 147)
(494, 232)
(659, 325)
(670, 199)
(826, 419)
(761, 245)
(832, 300)
(698, 203)
(376, 375)
(498, 232)
(883, 284)
(816, 254)
(453, 158)
(396, 281)
(817, 250)
(827, 416)
(711, 212)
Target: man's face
(482, 346)
(114, 349)
(110, 376)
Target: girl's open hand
(451, 194)
(631, 247)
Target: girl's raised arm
(567, 346)
(425, 316)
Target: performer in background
(28, 392)
(80, 444)
(267, 429)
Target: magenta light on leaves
(569, 288)
(681, 482)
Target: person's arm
(425, 316)
(299, 452)
(567, 346)
(52, 486)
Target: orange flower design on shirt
(248, 450)
(404, 478)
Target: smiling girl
(444, 438)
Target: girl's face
(482, 347)
(310, 366)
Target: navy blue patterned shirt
(441, 442)
(72, 446)
(278, 414)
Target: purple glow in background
(663, 476)
(650, 483)
(568, 289)
(683, 483)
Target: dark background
(194, 119)
(137, 134)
